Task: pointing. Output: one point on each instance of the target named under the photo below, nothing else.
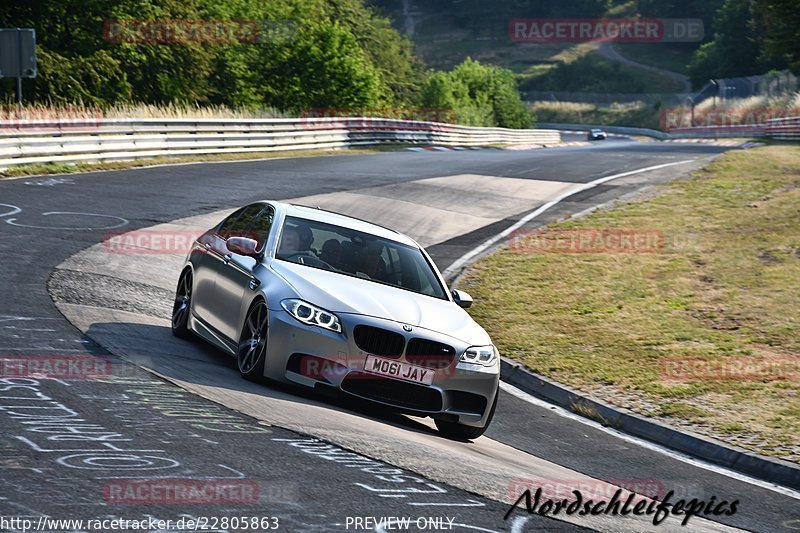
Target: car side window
(240, 226)
(261, 226)
(228, 222)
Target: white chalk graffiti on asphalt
(14, 210)
(47, 421)
(10, 318)
(396, 482)
(51, 182)
(172, 402)
(123, 222)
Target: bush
(480, 95)
(92, 80)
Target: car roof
(337, 219)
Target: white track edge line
(467, 257)
(522, 395)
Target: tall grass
(631, 114)
(754, 103)
(180, 111)
(642, 115)
(38, 111)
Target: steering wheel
(306, 258)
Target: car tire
(182, 307)
(252, 350)
(456, 431)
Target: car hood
(344, 294)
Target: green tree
(748, 40)
(705, 10)
(391, 53)
(309, 52)
(480, 95)
(323, 67)
(91, 80)
(782, 40)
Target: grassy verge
(722, 290)
(73, 168)
(667, 56)
(562, 67)
(634, 115)
(595, 74)
(461, 44)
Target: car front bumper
(312, 356)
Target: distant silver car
(319, 299)
(597, 135)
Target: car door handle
(227, 258)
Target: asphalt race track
(316, 463)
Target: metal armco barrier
(619, 130)
(782, 129)
(53, 141)
(718, 132)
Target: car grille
(393, 392)
(430, 354)
(379, 341)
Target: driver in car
(331, 252)
(290, 242)
(372, 263)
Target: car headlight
(481, 355)
(312, 315)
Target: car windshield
(357, 254)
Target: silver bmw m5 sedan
(306, 296)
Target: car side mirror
(243, 246)
(462, 299)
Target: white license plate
(399, 370)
